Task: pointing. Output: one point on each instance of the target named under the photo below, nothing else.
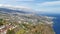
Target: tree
(10, 32)
(1, 22)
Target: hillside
(23, 23)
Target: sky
(37, 5)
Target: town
(25, 24)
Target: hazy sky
(38, 5)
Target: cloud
(53, 6)
(44, 6)
(24, 0)
(21, 0)
(50, 3)
(17, 0)
(24, 8)
(6, 5)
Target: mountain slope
(22, 20)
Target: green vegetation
(30, 25)
(29, 28)
(1, 22)
(10, 32)
(35, 29)
(21, 31)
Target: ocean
(56, 25)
